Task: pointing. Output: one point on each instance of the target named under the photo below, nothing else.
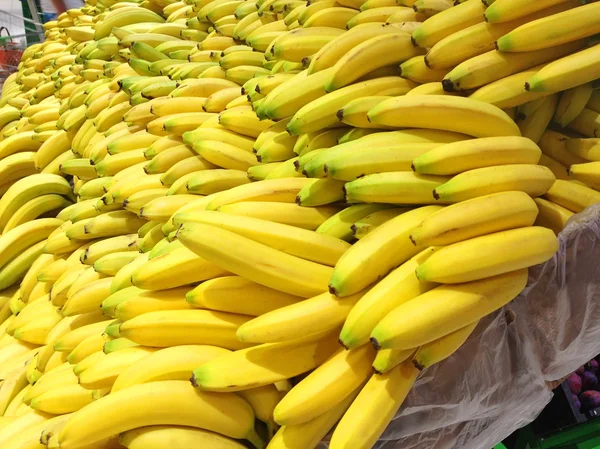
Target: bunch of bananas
(297, 205)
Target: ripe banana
(350, 276)
(177, 403)
(458, 157)
(264, 364)
(379, 399)
(451, 114)
(238, 295)
(446, 309)
(318, 314)
(180, 327)
(308, 278)
(535, 180)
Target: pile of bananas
(298, 206)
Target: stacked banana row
(295, 205)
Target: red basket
(10, 55)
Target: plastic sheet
(499, 380)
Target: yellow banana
(535, 180)
(177, 403)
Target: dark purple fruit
(578, 405)
(592, 366)
(589, 381)
(575, 384)
(580, 370)
(589, 400)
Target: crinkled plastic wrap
(498, 381)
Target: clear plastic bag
(498, 381)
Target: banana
(567, 72)
(162, 437)
(324, 250)
(69, 341)
(349, 276)
(238, 295)
(125, 188)
(203, 87)
(278, 148)
(88, 298)
(309, 277)
(499, 212)
(286, 213)
(318, 314)
(211, 181)
(107, 246)
(123, 277)
(587, 148)
(175, 363)
(507, 10)
(380, 398)
(122, 17)
(88, 346)
(551, 215)
(22, 237)
(184, 169)
(179, 404)
(90, 360)
(264, 364)
(65, 399)
(359, 61)
(322, 112)
(458, 157)
(532, 179)
(152, 238)
(14, 383)
(402, 328)
(554, 145)
(394, 188)
(17, 166)
(103, 373)
(290, 96)
(569, 25)
(109, 304)
(381, 14)
(157, 274)
(447, 22)
(36, 331)
(587, 123)
(340, 375)
(534, 126)
(35, 208)
(225, 155)
(52, 148)
(396, 288)
(309, 434)
(280, 190)
(162, 208)
(532, 245)
(586, 173)
(572, 103)
(351, 164)
(414, 111)
(494, 65)
(166, 159)
(184, 327)
(339, 225)
(173, 299)
(81, 168)
(128, 142)
(136, 201)
(28, 188)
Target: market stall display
(234, 224)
